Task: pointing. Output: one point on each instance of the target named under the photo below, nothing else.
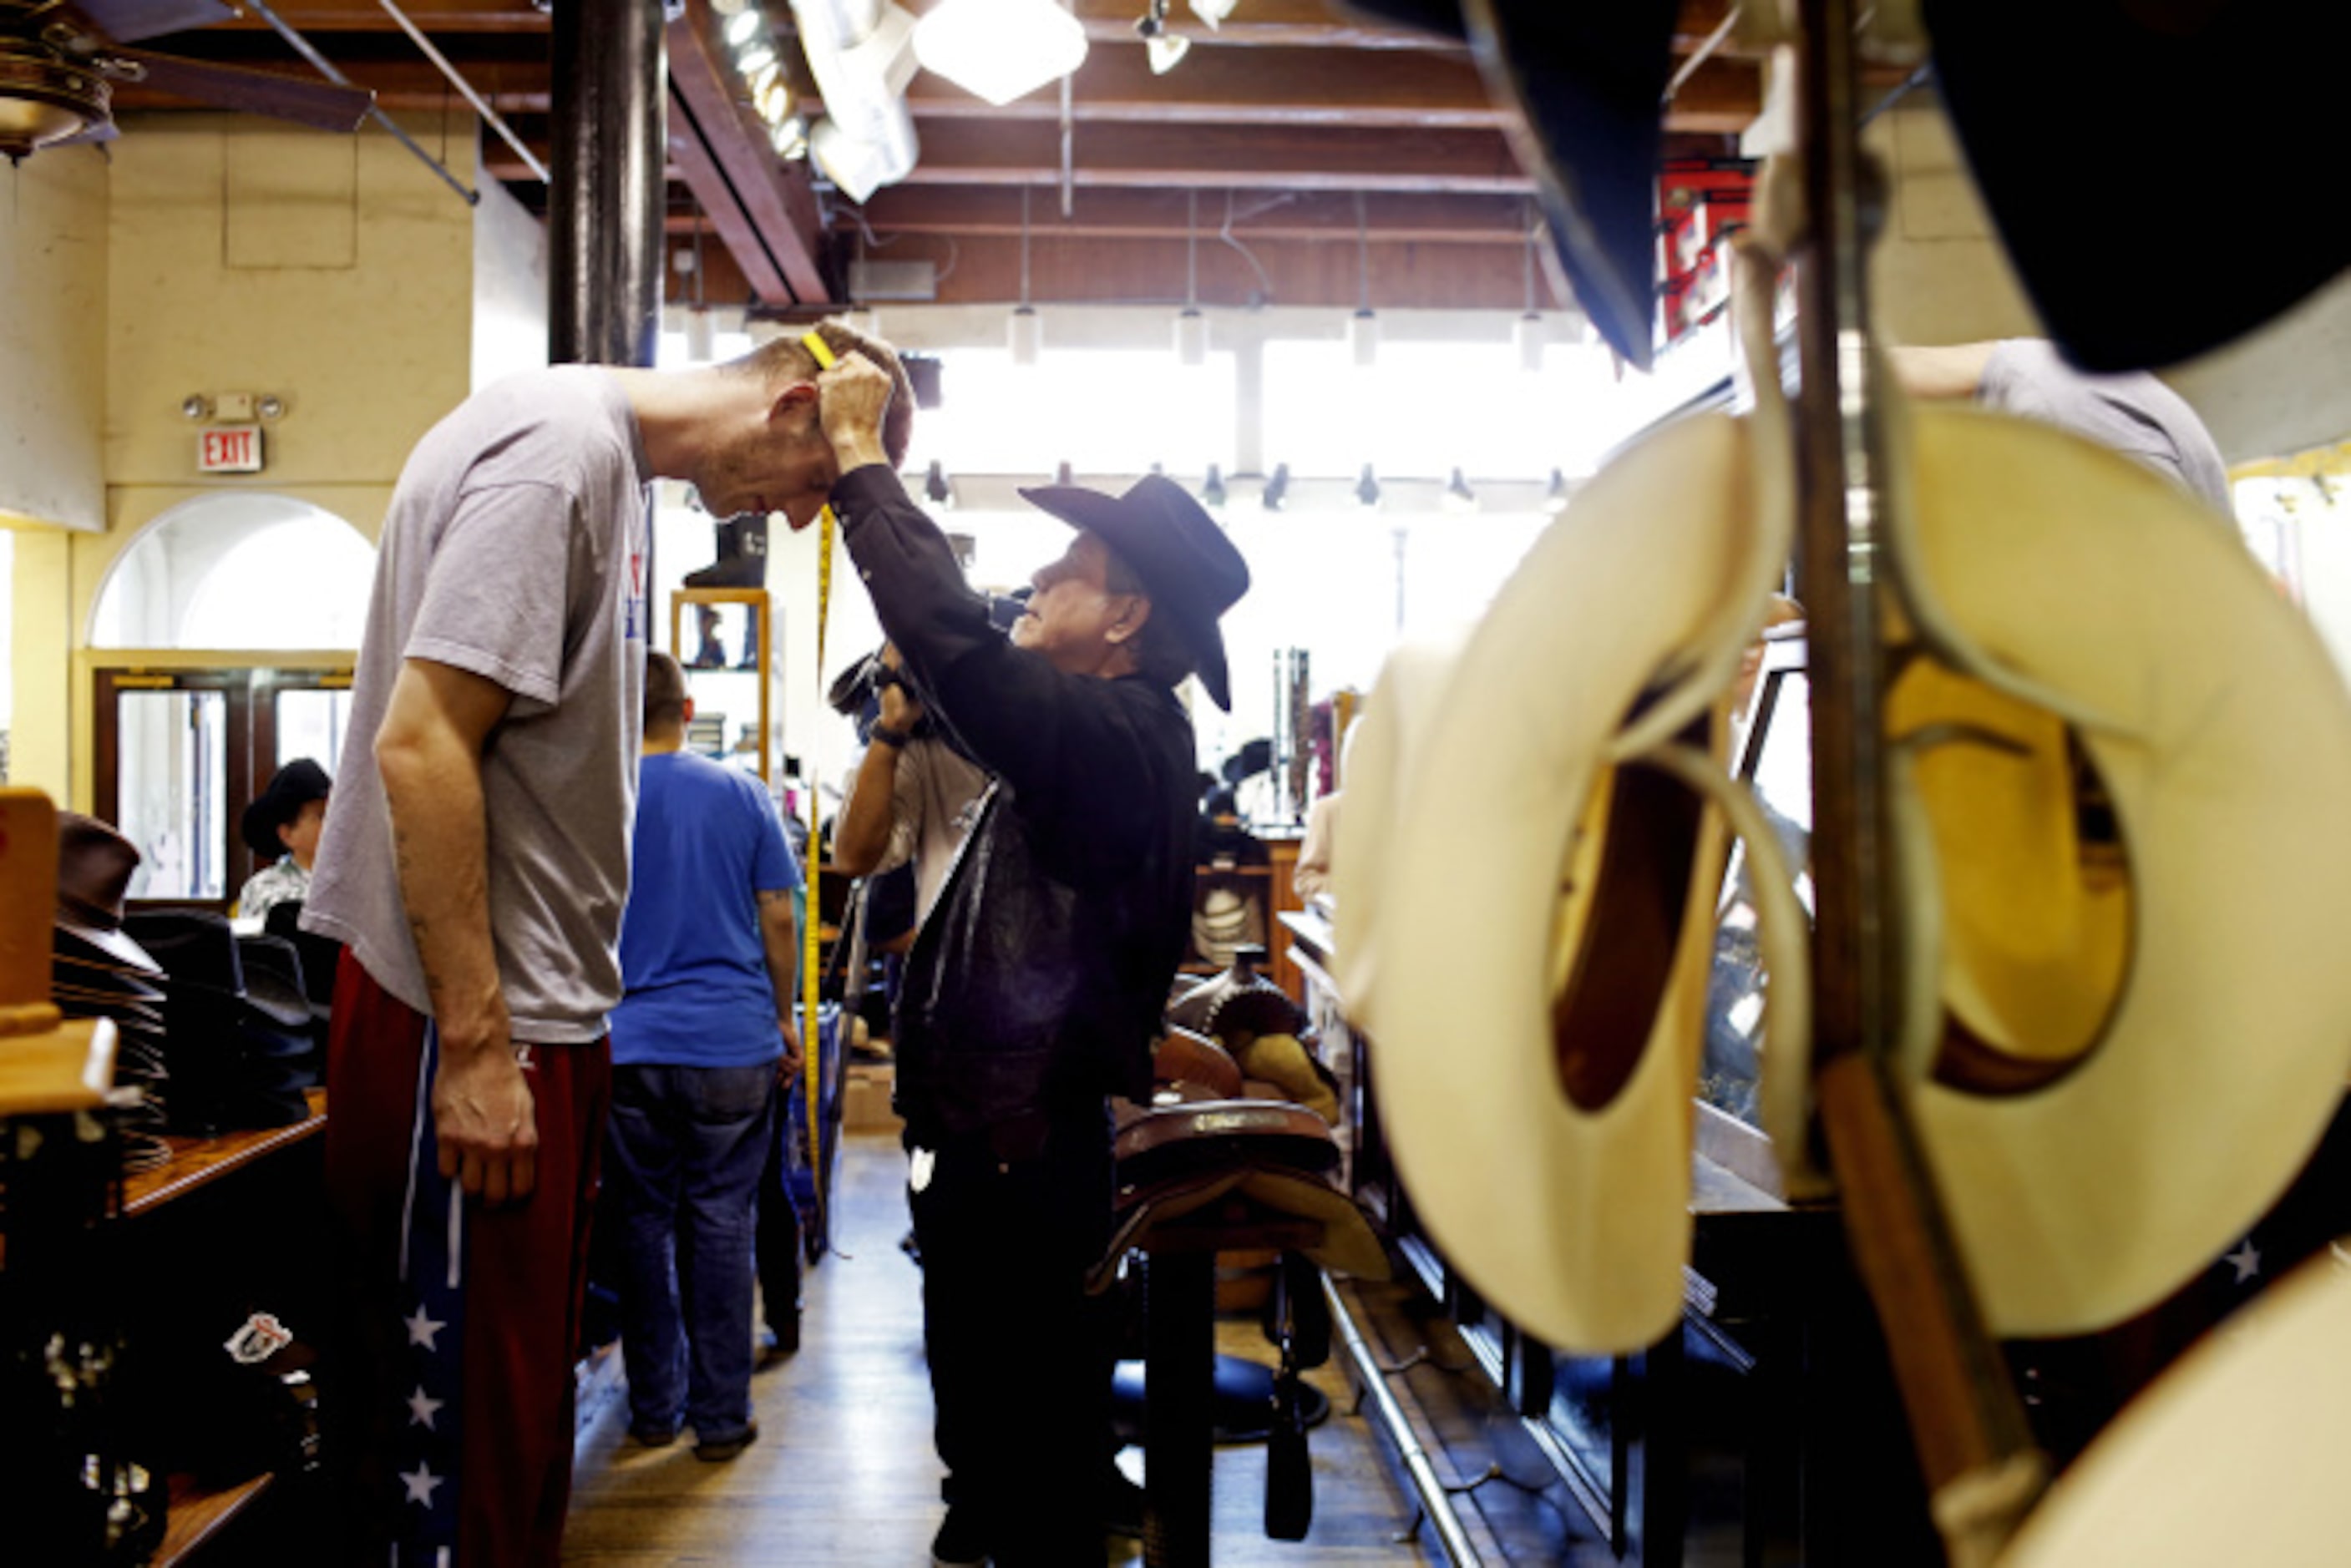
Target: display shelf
(726, 683)
(199, 1513)
(66, 1068)
(198, 1162)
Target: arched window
(238, 571)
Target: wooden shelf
(200, 1161)
(197, 1515)
(64, 1068)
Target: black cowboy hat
(94, 867)
(1588, 82)
(2204, 110)
(296, 785)
(1188, 568)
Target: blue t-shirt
(708, 842)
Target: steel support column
(605, 199)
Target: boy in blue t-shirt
(701, 1043)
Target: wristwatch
(882, 735)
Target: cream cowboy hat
(1536, 1065)
(2143, 1021)
(2235, 1455)
(1391, 731)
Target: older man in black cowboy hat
(1034, 990)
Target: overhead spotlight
(1277, 489)
(195, 406)
(1165, 52)
(790, 138)
(999, 49)
(1064, 474)
(759, 56)
(1212, 490)
(742, 27)
(936, 485)
(1158, 471)
(1555, 497)
(1459, 497)
(1213, 12)
(774, 102)
(269, 406)
(1367, 488)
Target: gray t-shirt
(2134, 414)
(514, 549)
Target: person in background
(701, 1043)
(2134, 414)
(914, 796)
(281, 828)
(474, 865)
(1034, 991)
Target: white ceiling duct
(862, 52)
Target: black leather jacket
(1036, 984)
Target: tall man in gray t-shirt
(475, 874)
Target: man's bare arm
(861, 835)
(779, 937)
(429, 751)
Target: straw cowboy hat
(1537, 1064)
(2235, 1455)
(2119, 820)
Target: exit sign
(229, 448)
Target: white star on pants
(2245, 1260)
(421, 1329)
(420, 1483)
(421, 1409)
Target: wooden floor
(844, 1471)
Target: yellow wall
(235, 255)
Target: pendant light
(1191, 326)
(1212, 491)
(1527, 331)
(1363, 329)
(1026, 331)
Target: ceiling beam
(1287, 158)
(311, 17)
(775, 196)
(718, 201)
(1305, 216)
(1296, 85)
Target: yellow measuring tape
(811, 938)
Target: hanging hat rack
(1974, 1444)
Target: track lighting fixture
(1367, 488)
(1555, 497)
(1213, 12)
(936, 485)
(1364, 329)
(1527, 331)
(742, 27)
(1212, 490)
(1459, 497)
(1277, 488)
(1064, 474)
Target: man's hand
(483, 1111)
(788, 1066)
(853, 396)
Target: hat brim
(102, 947)
(2224, 1055)
(1108, 516)
(1668, 561)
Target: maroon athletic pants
(460, 1320)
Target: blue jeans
(684, 1156)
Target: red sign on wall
(229, 448)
